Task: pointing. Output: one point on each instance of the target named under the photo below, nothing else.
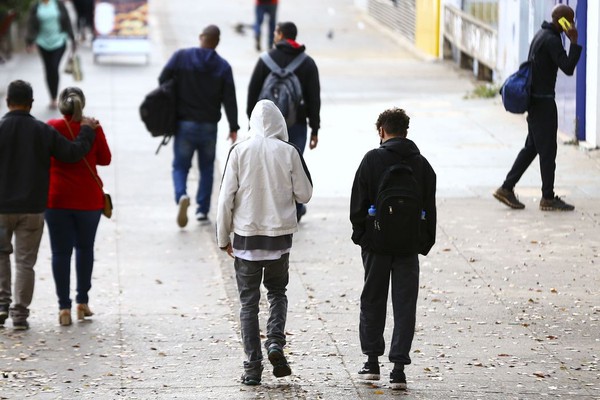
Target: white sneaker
(184, 203)
(200, 216)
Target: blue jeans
(249, 275)
(261, 10)
(297, 135)
(201, 138)
(404, 271)
(70, 229)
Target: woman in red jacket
(75, 203)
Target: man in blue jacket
(204, 82)
(26, 146)
(548, 55)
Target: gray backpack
(282, 87)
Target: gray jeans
(249, 275)
(27, 230)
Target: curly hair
(394, 122)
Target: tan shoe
(64, 317)
(83, 311)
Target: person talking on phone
(548, 55)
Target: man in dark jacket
(285, 51)
(204, 83)
(392, 126)
(548, 55)
(26, 147)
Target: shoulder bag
(108, 206)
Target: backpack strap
(291, 67)
(296, 62)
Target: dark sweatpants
(404, 272)
(542, 121)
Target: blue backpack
(516, 90)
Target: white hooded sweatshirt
(264, 176)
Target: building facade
(491, 37)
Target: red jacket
(72, 186)
(266, 2)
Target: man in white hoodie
(264, 178)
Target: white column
(592, 109)
(361, 4)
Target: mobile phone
(566, 25)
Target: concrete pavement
(509, 300)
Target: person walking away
(548, 55)
(204, 82)
(264, 177)
(85, 17)
(49, 28)
(75, 204)
(26, 147)
(391, 249)
(285, 51)
(262, 8)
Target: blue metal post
(581, 15)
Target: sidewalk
(509, 300)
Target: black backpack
(282, 87)
(159, 111)
(399, 220)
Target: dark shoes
(3, 313)
(252, 373)
(555, 204)
(281, 367)
(508, 197)
(20, 325)
(369, 371)
(397, 380)
(251, 380)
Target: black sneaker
(555, 204)
(3, 313)
(20, 325)
(251, 380)
(369, 371)
(281, 367)
(397, 380)
(508, 197)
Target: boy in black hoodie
(392, 127)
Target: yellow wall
(427, 35)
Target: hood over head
(266, 120)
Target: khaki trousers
(27, 230)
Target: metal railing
(471, 36)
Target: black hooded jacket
(366, 184)
(26, 147)
(548, 55)
(307, 74)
